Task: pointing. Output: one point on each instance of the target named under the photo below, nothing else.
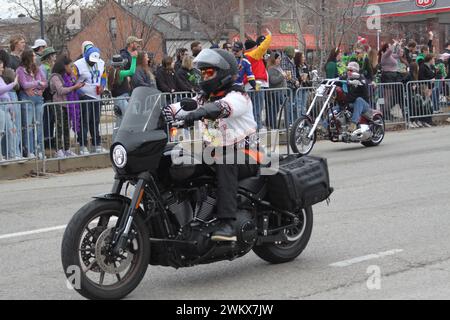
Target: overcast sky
(5, 6)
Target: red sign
(425, 3)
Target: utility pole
(322, 34)
(41, 13)
(242, 20)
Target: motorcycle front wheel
(297, 239)
(91, 267)
(298, 137)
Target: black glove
(193, 116)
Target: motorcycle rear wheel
(86, 254)
(298, 239)
(378, 132)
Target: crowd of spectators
(61, 97)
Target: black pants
(228, 176)
(90, 119)
(49, 127)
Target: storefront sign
(425, 3)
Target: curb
(11, 171)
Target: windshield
(143, 110)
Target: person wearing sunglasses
(228, 127)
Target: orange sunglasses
(209, 72)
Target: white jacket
(235, 123)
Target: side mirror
(188, 104)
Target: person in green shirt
(119, 84)
(331, 67)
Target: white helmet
(353, 66)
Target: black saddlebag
(299, 182)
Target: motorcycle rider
(357, 93)
(229, 110)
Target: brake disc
(107, 262)
(88, 249)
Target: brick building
(109, 29)
(25, 26)
(162, 28)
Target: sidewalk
(10, 171)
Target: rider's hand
(193, 116)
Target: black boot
(224, 232)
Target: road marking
(347, 263)
(27, 233)
(37, 231)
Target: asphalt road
(389, 216)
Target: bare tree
(56, 13)
(217, 15)
(332, 22)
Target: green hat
(420, 57)
(47, 52)
(290, 51)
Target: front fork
(121, 235)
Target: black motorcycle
(170, 215)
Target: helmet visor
(210, 58)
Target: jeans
(90, 119)
(6, 133)
(273, 107)
(258, 105)
(359, 107)
(436, 97)
(32, 115)
(17, 121)
(301, 99)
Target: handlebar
(178, 124)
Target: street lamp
(41, 14)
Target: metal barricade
(391, 100)
(31, 131)
(80, 128)
(87, 127)
(272, 108)
(427, 100)
(18, 124)
(274, 112)
(304, 99)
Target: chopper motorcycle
(303, 133)
(169, 216)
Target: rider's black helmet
(223, 62)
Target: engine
(193, 213)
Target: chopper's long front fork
(322, 111)
(121, 235)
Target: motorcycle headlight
(119, 156)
